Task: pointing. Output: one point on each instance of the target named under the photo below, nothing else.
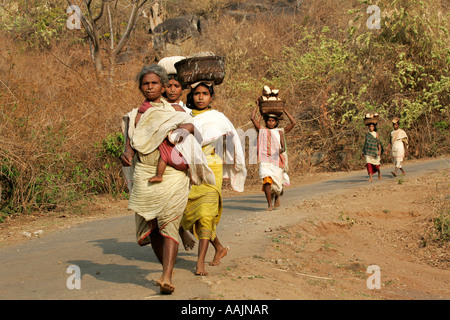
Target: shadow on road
(116, 273)
(131, 274)
(245, 203)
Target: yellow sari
(204, 206)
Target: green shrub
(442, 226)
(37, 23)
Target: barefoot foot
(277, 202)
(166, 288)
(187, 239)
(218, 256)
(161, 279)
(200, 271)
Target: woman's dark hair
(190, 97)
(172, 76)
(374, 125)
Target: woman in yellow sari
(204, 208)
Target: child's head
(201, 96)
(271, 121)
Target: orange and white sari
(272, 163)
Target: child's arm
(292, 124)
(186, 126)
(256, 122)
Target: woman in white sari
(272, 155)
(399, 144)
(159, 206)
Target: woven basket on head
(209, 68)
(275, 107)
(370, 121)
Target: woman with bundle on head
(372, 149)
(204, 207)
(272, 156)
(173, 87)
(399, 144)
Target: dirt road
(262, 261)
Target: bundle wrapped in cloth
(168, 63)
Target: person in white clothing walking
(398, 146)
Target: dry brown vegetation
(60, 120)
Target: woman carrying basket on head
(373, 148)
(158, 207)
(272, 155)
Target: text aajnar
(238, 309)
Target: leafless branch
(135, 12)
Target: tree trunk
(91, 26)
(98, 60)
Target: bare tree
(156, 14)
(92, 11)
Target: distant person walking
(272, 155)
(399, 145)
(372, 151)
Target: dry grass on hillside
(59, 119)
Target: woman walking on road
(372, 151)
(272, 155)
(204, 207)
(158, 207)
(399, 144)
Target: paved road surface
(113, 266)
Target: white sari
(398, 148)
(271, 163)
(161, 203)
(213, 125)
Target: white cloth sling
(212, 126)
